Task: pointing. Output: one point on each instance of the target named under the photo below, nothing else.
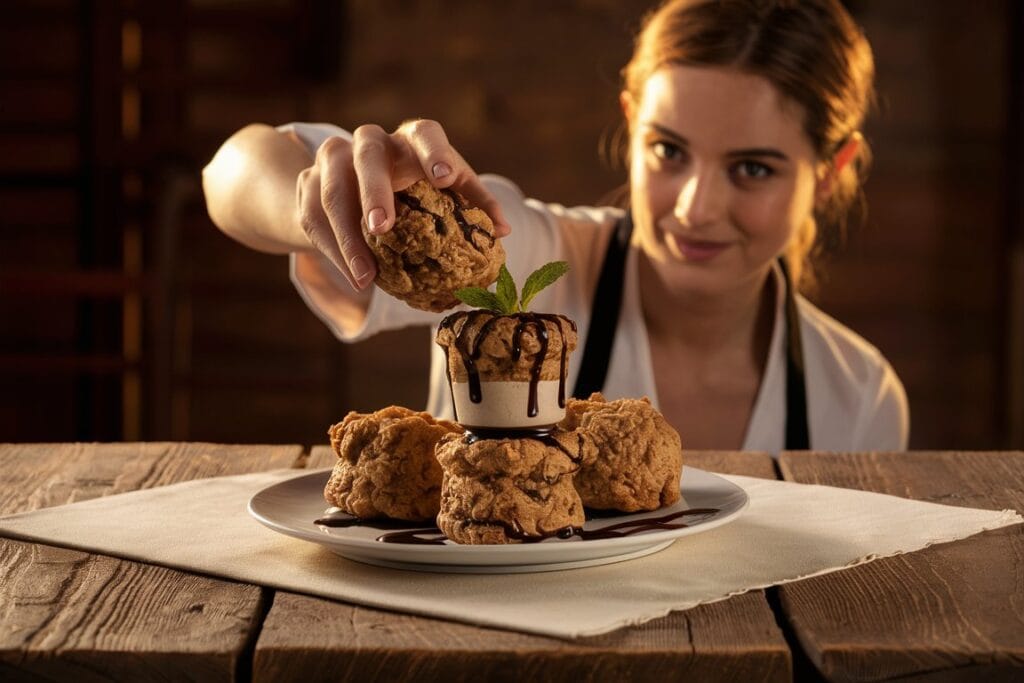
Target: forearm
(250, 189)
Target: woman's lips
(697, 250)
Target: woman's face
(722, 175)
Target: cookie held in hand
(439, 244)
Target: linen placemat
(789, 532)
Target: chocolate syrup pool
(414, 533)
(470, 348)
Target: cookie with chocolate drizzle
(509, 490)
(517, 362)
(439, 244)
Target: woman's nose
(701, 199)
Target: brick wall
(221, 347)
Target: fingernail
(440, 169)
(377, 219)
(360, 269)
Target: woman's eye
(666, 151)
(753, 169)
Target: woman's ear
(846, 153)
(628, 106)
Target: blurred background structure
(125, 315)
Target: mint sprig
(505, 299)
(541, 278)
(479, 298)
(506, 291)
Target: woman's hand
(353, 182)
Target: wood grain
(321, 456)
(949, 612)
(69, 615)
(42, 475)
(750, 464)
(307, 638)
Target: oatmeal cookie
(438, 244)
(639, 457)
(386, 465)
(508, 490)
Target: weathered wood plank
(69, 615)
(724, 641)
(321, 456)
(728, 462)
(42, 475)
(736, 639)
(950, 612)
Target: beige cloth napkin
(790, 531)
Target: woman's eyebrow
(759, 152)
(668, 133)
(746, 152)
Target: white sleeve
(884, 420)
(540, 233)
(319, 284)
(314, 134)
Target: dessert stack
(509, 477)
(523, 460)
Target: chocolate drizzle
(414, 204)
(468, 229)
(638, 526)
(403, 531)
(517, 349)
(451, 389)
(416, 534)
(542, 434)
(470, 349)
(339, 519)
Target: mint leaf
(507, 295)
(541, 278)
(479, 298)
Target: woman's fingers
(469, 184)
(356, 182)
(374, 161)
(445, 167)
(340, 204)
(435, 156)
(314, 220)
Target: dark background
(124, 314)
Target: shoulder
(866, 399)
(543, 231)
(836, 344)
(512, 198)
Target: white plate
(290, 507)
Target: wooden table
(951, 612)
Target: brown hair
(810, 50)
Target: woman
(743, 121)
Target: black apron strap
(604, 312)
(604, 318)
(798, 435)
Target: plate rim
(511, 555)
(511, 549)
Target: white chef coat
(855, 401)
